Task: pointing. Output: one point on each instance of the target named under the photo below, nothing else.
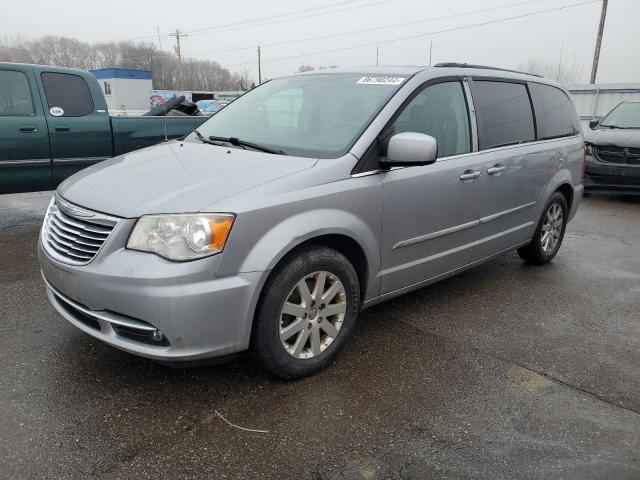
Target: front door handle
(496, 169)
(28, 128)
(63, 129)
(470, 175)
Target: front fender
(273, 245)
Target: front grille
(614, 154)
(71, 239)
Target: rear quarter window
(504, 113)
(67, 92)
(555, 114)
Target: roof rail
(485, 67)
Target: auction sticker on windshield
(381, 80)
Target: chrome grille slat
(66, 251)
(81, 224)
(71, 245)
(74, 240)
(91, 236)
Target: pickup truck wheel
(307, 309)
(549, 234)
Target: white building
(595, 101)
(126, 90)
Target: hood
(175, 177)
(617, 137)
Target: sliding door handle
(28, 128)
(470, 175)
(496, 169)
(63, 129)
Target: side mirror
(411, 148)
(593, 124)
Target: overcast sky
(568, 34)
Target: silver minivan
(307, 199)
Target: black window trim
(44, 89)
(483, 78)
(362, 166)
(33, 104)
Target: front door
(430, 213)
(25, 163)
(80, 132)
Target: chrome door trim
(80, 160)
(422, 283)
(494, 216)
(18, 163)
(439, 233)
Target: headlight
(181, 237)
(588, 149)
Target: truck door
(79, 130)
(24, 144)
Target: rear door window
(67, 95)
(555, 115)
(504, 113)
(15, 96)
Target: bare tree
(562, 73)
(305, 68)
(69, 52)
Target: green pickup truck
(54, 122)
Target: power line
(270, 17)
(365, 30)
(295, 12)
(410, 37)
(220, 29)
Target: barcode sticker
(381, 80)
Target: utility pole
(178, 34)
(430, 51)
(596, 54)
(259, 67)
(377, 55)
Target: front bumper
(611, 177)
(148, 306)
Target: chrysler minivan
(306, 200)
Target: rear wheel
(549, 234)
(307, 310)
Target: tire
(539, 252)
(302, 337)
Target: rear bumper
(611, 177)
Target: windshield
(318, 115)
(625, 115)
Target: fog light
(157, 335)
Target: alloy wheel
(312, 315)
(552, 228)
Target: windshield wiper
(236, 142)
(204, 140)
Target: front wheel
(549, 234)
(306, 312)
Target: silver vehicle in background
(307, 199)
